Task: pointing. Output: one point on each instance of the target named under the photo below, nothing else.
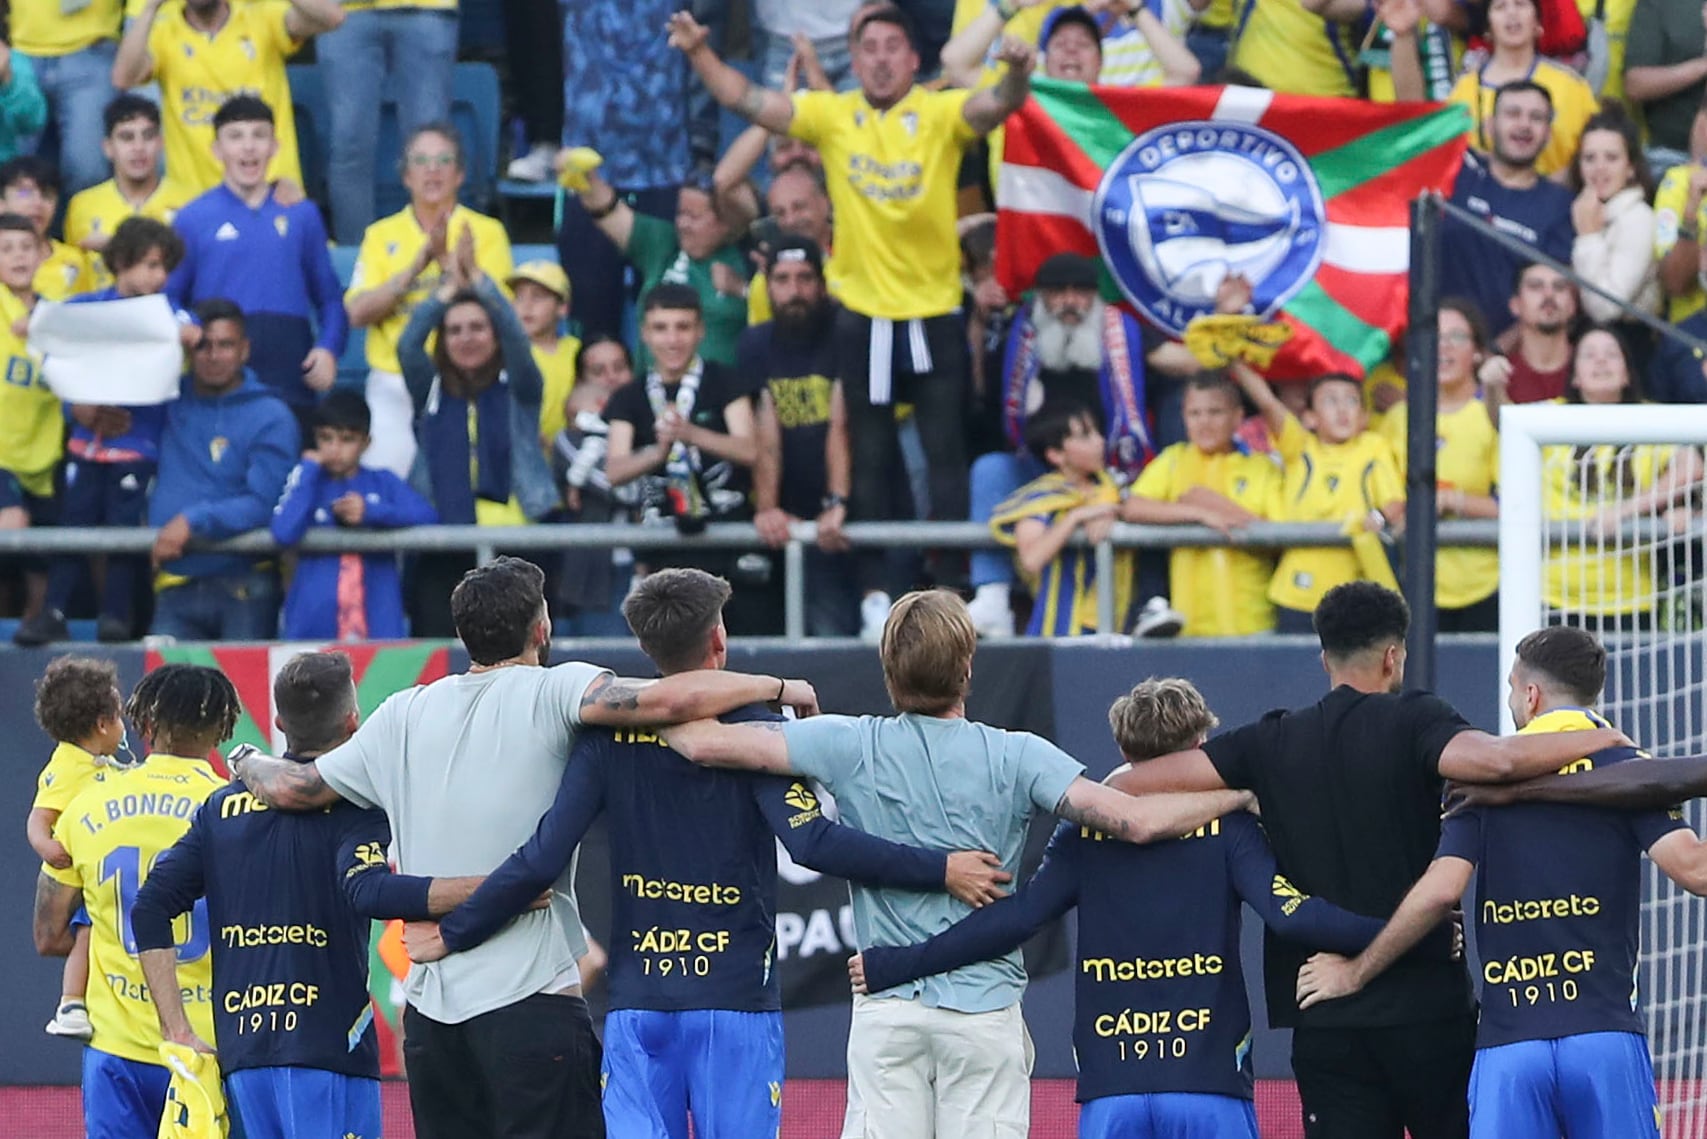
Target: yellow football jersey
(49, 28)
(390, 244)
(1467, 458)
(32, 421)
(892, 177)
(558, 368)
(1327, 483)
(1595, 578)
(198, 72)
(1293, 50)
(1573, 105)
(98, 211)
(1220, 590)
(115, 829)
(1617, 14)
(69, 769)
(1670, 201)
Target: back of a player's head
(344, 410)
(180, 701)
(1358, 617)
(75, 694)
(1049, 428)
(125, 108)
(30, 168)
(1159, 717)
(1566, 661)
(496, 608)
(314, 698)
(673, 613)
(242, 109)
(136, 237)
(927, 650)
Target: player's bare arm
(1149, 818)
(1477, 757)
(1431, 901)
(282, 784)
(1682, 857)
(1649, 786)
(1181, 771)
(613, 701)
(769, 109)
(51, 916)
(988, 109)
(160, 970)
(753, 746)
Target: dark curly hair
(1360, 615)
(75, 694)
(177, 698)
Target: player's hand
(349, 509)
(187, 1037)
(1017, 54)
(772, 524)
(421, 941)
(1326, 977)
(687, 35)
(543, 902)
(975, 877)
(170, 540)
(319, 369)
(856, 974)
(57, 856)
(831, 538)
(1233, 294)
(289, 192)
(801, 696)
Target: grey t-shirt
(464, 768)
(938, 783)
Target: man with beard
(1503, 188)
(1536, 352)
(1068, 347)
(803, 468)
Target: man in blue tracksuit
(228, 447)
(242, 245)
(696, 1026)
(345, 597)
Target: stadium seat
(352, 365)
(313, 126)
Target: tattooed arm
(614, 701)
(1148, 818)
(282, 783)
(51, 921)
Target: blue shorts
(122, 1099)
(280, 1103)
(1167, 1115)
(80, 918)
(724, 1067)
(1599, 1085)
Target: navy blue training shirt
(290, 900)
(1159, 993)
(692, 868)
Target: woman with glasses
(1467, 466)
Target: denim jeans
(407, 54)
(102, 494)
(833, 54)
(994, 477)
(78, 88)
(230, 607)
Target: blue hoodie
(223, 464)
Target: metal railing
(487, 541)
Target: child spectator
(348, 596)
(585, 595)
(78, 705)
(1040, 518)
(1214, 480)
(114, 451)
(603, 360)
(541, 292)
(29, 187)
(136, 189)
(32, 430)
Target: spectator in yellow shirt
(1678, 218)
(136, 189)
(541, 290)
(1514, 27)
(29, 187)
(32, 424)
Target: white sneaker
(992, 614)
(1158, 619)
(71, 1021)
(534, 166)
(873, 612)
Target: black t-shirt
(799, 370)
(1350, 794)
(725, 484)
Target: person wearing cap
(803, 466)
(799, 200)
(891, 152)
(541, 291)
(1134, 48)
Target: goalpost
(1564, 559)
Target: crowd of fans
(804, 324)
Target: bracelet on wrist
(1686, 232)
(605, 211)
(781, 687)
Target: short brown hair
(1159, 717)
(314, 694)
(75, 694)
(927, 650)
(495, 608)
(1572, 659)
(673, 612)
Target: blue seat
(524, 253)
(313, 126)
(352, 365)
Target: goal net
(1601, 527)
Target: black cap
(1073, 15)
(1067, 271)
(794, 247)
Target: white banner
(122, 353)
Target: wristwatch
(831, 501)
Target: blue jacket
(223, 464)
(311, 606)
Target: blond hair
(1159, 717)
(927, 649)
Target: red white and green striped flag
(1176, 187)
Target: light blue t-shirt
(943, 783)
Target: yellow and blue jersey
(1466, 458)
(32, 420)
(68, 771)
(1294, 50)
(1066, 589)
(97, 212)
(1594, 577)
(1573, 105)
(115, 830)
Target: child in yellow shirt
(541, 290)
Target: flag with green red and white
(1176, 188)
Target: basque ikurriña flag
(1174, 188)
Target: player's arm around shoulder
(1147, 818)
(1681, 854)
(613, 701)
